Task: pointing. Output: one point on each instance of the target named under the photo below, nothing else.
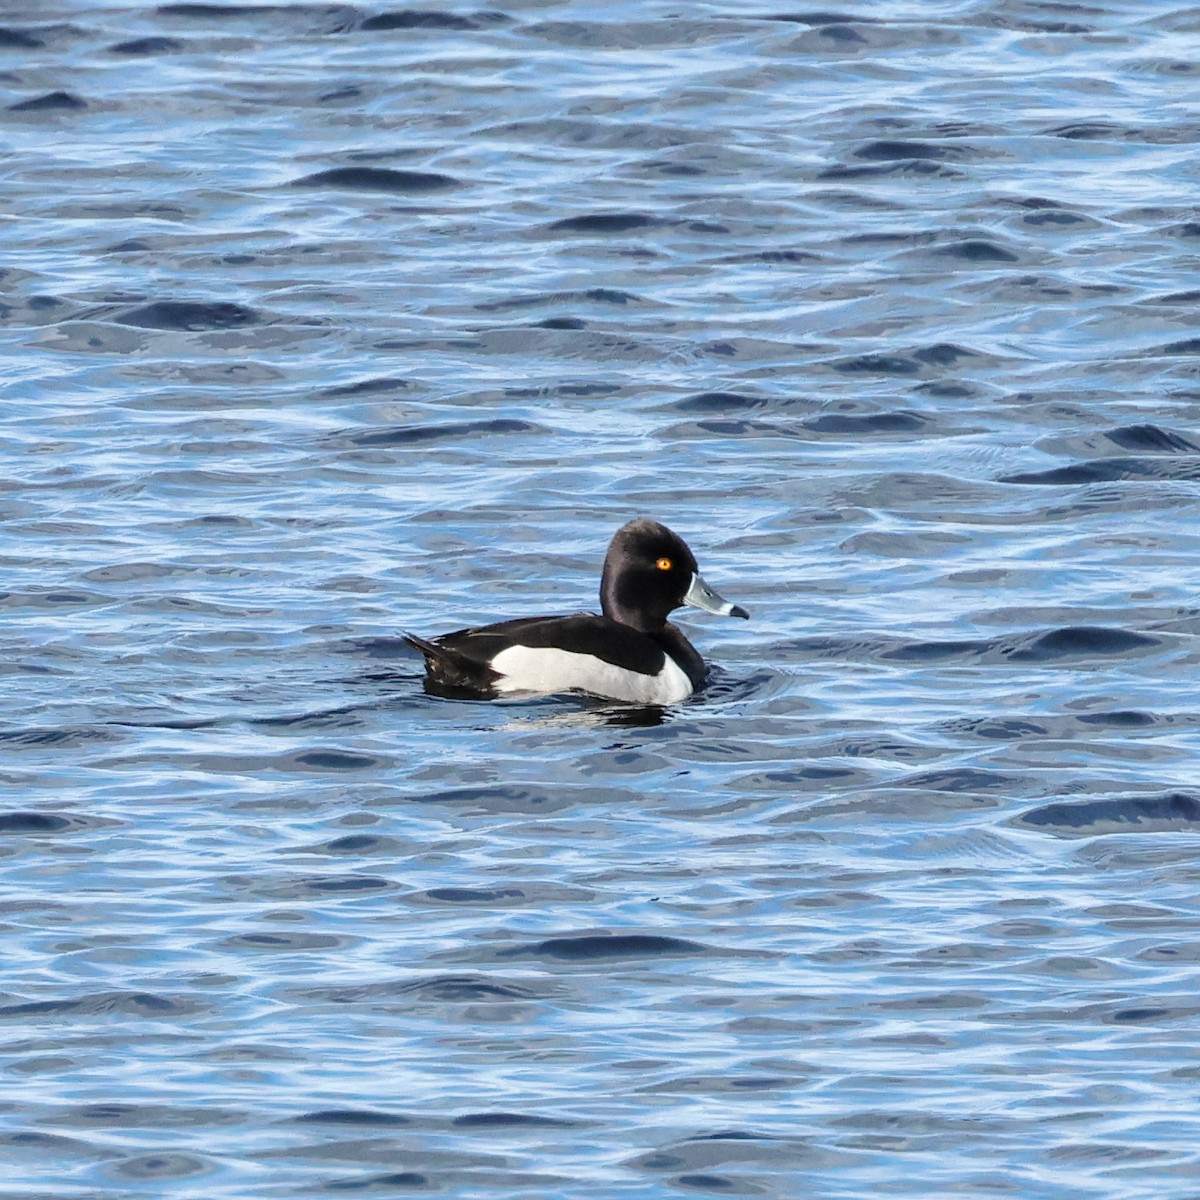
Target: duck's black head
(648, 573)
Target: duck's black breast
(684, 653)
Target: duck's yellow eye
(664, 564)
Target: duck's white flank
(547, 670)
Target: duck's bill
(700, 595)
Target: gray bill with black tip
(700, 595)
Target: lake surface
(324, 321)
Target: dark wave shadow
(1171, 812)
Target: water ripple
(329, 320)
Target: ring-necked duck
(631, 653)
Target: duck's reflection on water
(595, 716)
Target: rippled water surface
(323, 321)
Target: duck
(627, 652)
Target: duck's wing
(579, 633)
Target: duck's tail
(449, 671)
(431, 651)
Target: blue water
(325, 321)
